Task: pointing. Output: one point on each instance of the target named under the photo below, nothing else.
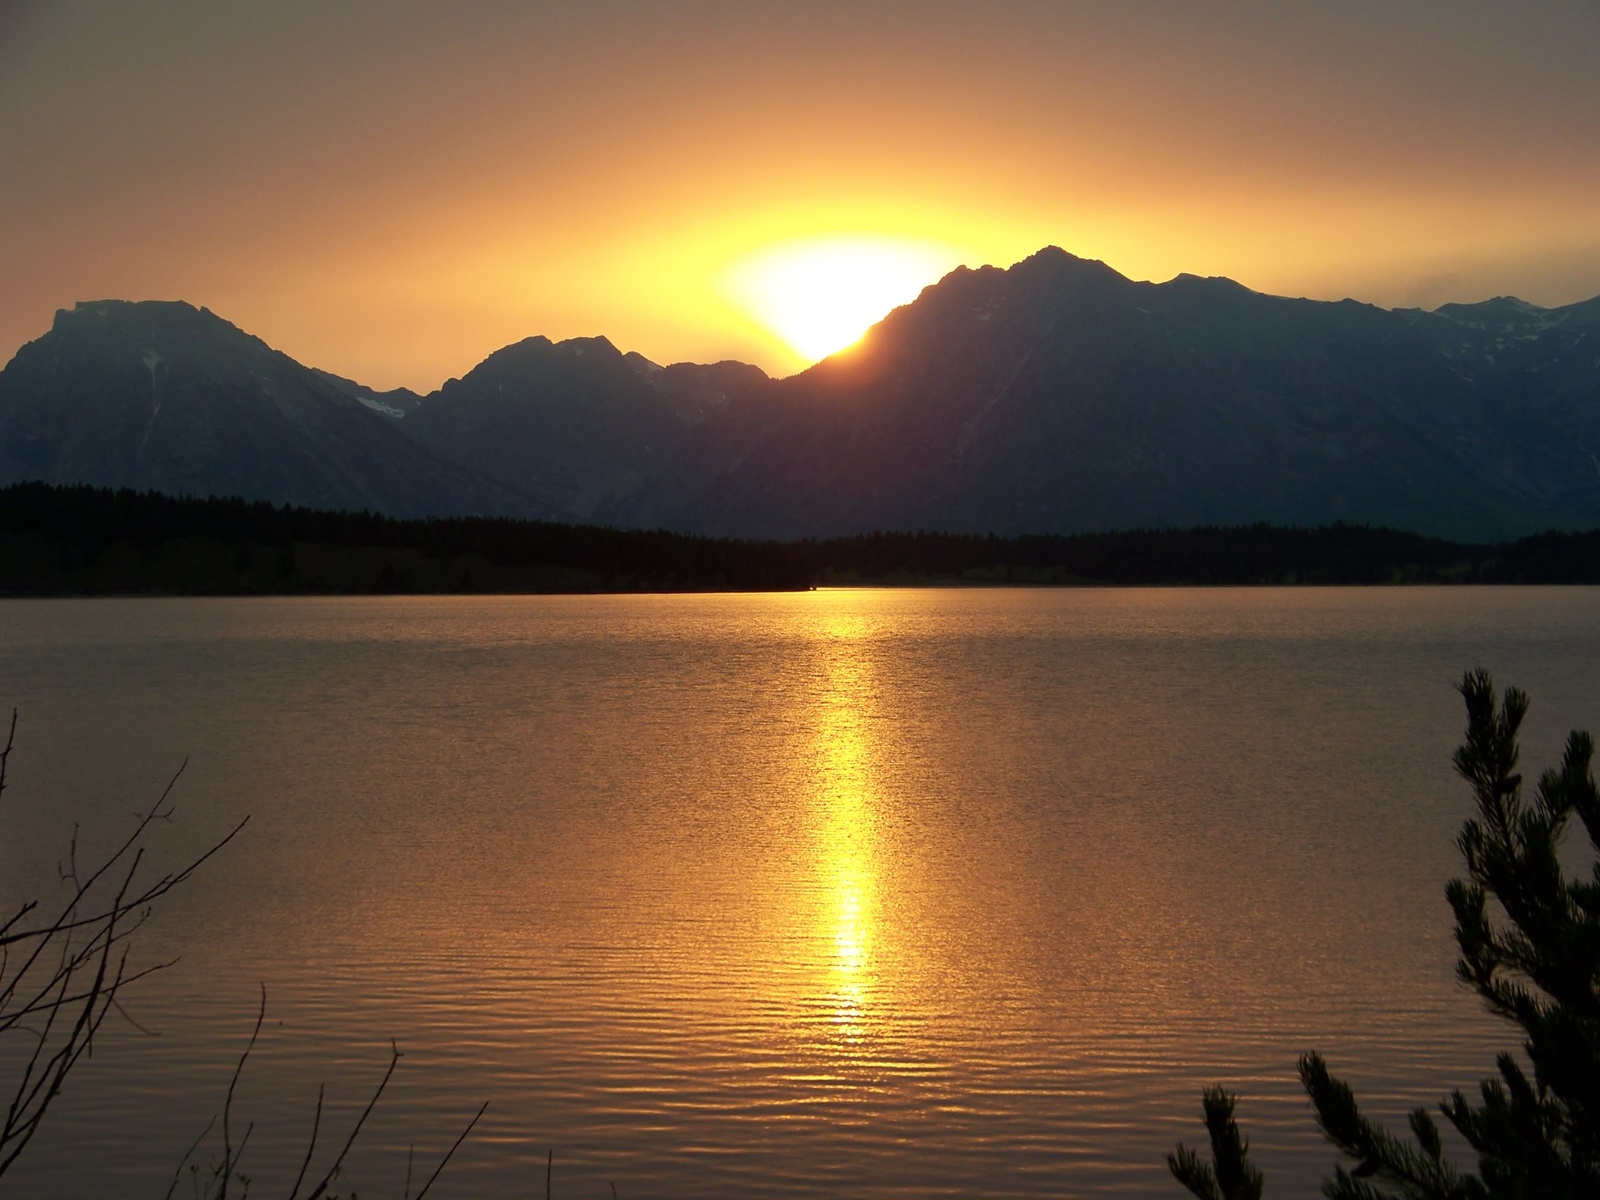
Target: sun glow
(821, 294)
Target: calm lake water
(898, 893)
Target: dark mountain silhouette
(1053, 397)
(168, 397)
(1532, 425)
(579, 424)
(1059, 396)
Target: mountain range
(1055, 396)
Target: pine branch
(1230, 1175)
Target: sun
(820, 294)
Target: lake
(857, 892)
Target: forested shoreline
(80, 540)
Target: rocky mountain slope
(167, 397)
(584, 427)
(1532, 423)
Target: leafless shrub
(63, 968)
(64, 965)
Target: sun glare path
(820, 295)
(847, 832)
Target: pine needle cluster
(1529, 938)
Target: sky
(392, 190)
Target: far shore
(83, 541)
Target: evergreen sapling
(1529, 938)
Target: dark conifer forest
(92, 541)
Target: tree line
(1259, 554)
(74, 539)
(86, 540)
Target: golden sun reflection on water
(845, 807)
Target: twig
(227, 1104)
(448, 1155)
(126, 1016)
(316, 1122)
(188, 1154)
(365, 1113)
(5, 755)
(160, 888)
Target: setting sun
(821, 294)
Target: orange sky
(392, 190)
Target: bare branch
(187, 1155)
(316, 1121)
(322, 1186)
(448, 1155)
(5, 755)
(61, 971)
(61, 974)
(227, 1104)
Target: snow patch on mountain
(378, 406)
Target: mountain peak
(1058, 261)
(1497, 304)
(1504, 314)
(1052, 253)
(167, 328)
(123, 312)
(579, 346)
(640, 364)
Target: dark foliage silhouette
(1529, 937)
(84, 526)
(1229, 1175)
(84, 541)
